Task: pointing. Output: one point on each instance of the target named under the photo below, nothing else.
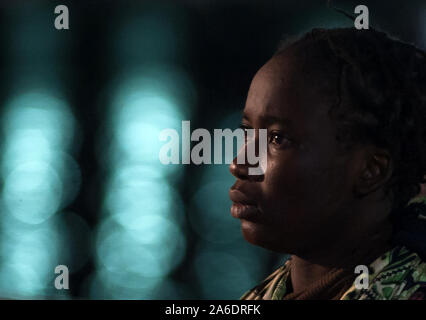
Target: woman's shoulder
(399, 274)
(273, 287)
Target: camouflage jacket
(399, 274)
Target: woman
(345, 111)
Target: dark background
(81, 184)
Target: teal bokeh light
(38, 172)
(28, 257)
(30, 253)
(35, 123)
(131, 194)
(168, 87)
(38, 128)
(144, 104)
(32, 192)
(140, 239)
(40, 177)
(132, 257)
(140, 122)
(121, 250)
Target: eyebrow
(270, 119)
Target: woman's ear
(376, 170)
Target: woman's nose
(239, 165)
(240, 168)
(239, 171)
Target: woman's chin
(262, 236)
(253, 232)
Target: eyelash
(272, 135)
(285, 141)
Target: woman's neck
(343, 254)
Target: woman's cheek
(287, 177)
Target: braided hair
(381, 98)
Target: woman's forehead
(279, 90)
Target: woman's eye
(279, 139)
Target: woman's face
(299, 203)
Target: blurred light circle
(35, 247)
(28, 254)
(138, 250)
(20, 281)
(104, 284)
(130, 195)
(139, 123)
(25, 145)
(144, 103)
(157, 232)
(163, 93)
(32, 192)
(43, 112)
(120, 253)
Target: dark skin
(323, 205)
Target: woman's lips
(244, 211)
(237, 196)
(243, 207)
